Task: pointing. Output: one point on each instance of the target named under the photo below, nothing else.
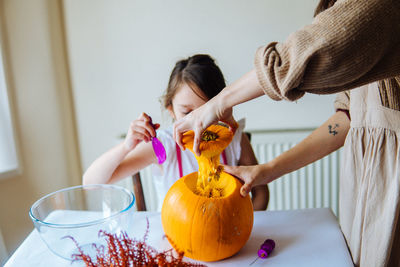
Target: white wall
(121, 55)
(8, 153)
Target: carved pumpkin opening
(224, 186)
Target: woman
(354, 45)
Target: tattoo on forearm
(333, 129)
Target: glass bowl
(81, 212)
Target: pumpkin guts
(213, 141)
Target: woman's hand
(198, 120)
(250, 175)
(140, 130)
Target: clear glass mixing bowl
(80, 212)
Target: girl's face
(186, 100)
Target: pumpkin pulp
(213, 141)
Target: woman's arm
(126, 158)
(324, 140)
(260, 193)
(350, 44)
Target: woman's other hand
(140, 130)
(250, 175)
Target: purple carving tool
(265, 250)
(158, 147)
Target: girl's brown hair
(323, 5)
(199, 72)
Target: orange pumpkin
(203, 214)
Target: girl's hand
(198, 120)
(250, 175)
(140, 130)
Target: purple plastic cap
(262, 253)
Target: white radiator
(314, 186)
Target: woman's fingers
(232, 123)
(183, 125)
(233, 170)
(197, 139)
(245, 174)
(178, 133)
(245, 190)
(198, 120)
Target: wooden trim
(138, 191)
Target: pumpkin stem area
(209, 136)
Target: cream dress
(370, 179)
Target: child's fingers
(140, 127)
(140, 137)
(147, 127)
(144, 117)
(149, 123)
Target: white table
(306, 238)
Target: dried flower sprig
(123, 251)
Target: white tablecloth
(303, 238)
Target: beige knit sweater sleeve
(353, 43)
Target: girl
(192, 83)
